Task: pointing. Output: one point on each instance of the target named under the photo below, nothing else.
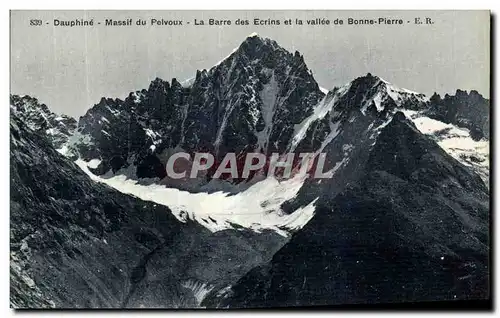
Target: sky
(71, 68)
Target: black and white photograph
(249, 159)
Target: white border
(199, 5)
(255, 4)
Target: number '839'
(35, 22)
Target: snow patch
(324, 90)
(268, 97)
(77, 138)
(255, 208)
(319, 112)
(378, 101)
(396, 93)
(51, 131)
(94, 163)
(334, 131)
(150, 133)
(218, 63)
(189, 82)
(457, 142)
(199, 289)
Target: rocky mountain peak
(176, 84)
(255, 45)
(373, 92)
(261, 98)
(257, 51)
(398, 191)
(395, 208)
(467, 110)
(240, 102)
(40, 119)
(28, 104)
(250, 101)
(158, 85)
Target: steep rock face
(400, 220)
(120, 133)
(457, 141)
(365, 95)
(249, 102)
(344, 127)
(346, 123)
(467, 110)
(38, 117)
(260, 98)
(413, 227)
(77, 243)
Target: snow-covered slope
(352, 116)
(384, 97)
(457, 142)
(75, 243)
(342, 105)
(347, 122)
(260, 98)
(405, 208)
(248, 102)
(412, 227)
(256, 208)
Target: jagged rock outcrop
(38, 117)
(467, 110)
(76, 243)
(413, 227)
(404, 216)
(249, 102)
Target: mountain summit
(250, 101)
(403, 217)
(412, 226)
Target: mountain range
(96, 222)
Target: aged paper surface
(248, 159)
